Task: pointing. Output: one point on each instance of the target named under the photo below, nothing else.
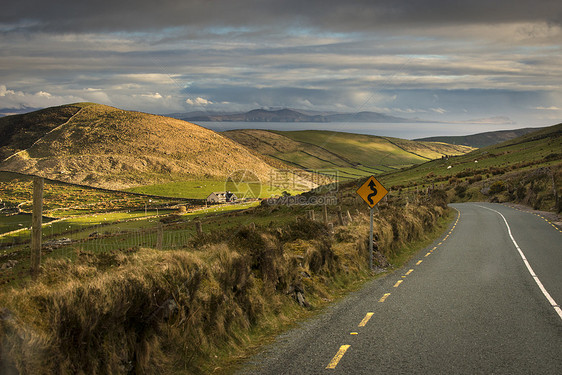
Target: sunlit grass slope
(351, 155)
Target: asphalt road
(466, 305)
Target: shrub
(497, 187)
(520, 193)
(305, 229)
(475, 178)
(439, 198)
(460, 190)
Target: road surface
(468, 304)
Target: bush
(520, 193)
(476, 178)
(497, 187)
(439, 198)
(460, 190)
(305, 229)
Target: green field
(201, 189)
(357, 149)
(110, 233)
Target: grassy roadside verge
(230, 359)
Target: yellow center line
(334, 362)
(365, 319)
(409, 271)
(439, 243)
(398, 283)
(353, 333)
(427, 254)
(383, 298)
(418, 263)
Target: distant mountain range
(289, 115)
(16, 111)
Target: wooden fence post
(325, 213)
(36, 221)
(555, 192)
(340, 216)
(198, 227)
(159, 236)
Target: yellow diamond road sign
(372, 191)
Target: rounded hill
(107, 147)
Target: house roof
(225, 193)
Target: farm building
(221, 197)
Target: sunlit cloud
(198, 102)
(19, 99)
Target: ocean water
(398, 130)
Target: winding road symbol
(372, 191)
(373, 187)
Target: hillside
(19, 132)
(481, 139)
(352, 155)
(103, 146)
(539, 148)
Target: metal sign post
(372, 192)
(371, 240)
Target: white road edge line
(551, 300)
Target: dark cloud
(143, 15)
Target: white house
(221, 197)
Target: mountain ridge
(290, 115)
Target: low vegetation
(188, 310)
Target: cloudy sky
(444, 60)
